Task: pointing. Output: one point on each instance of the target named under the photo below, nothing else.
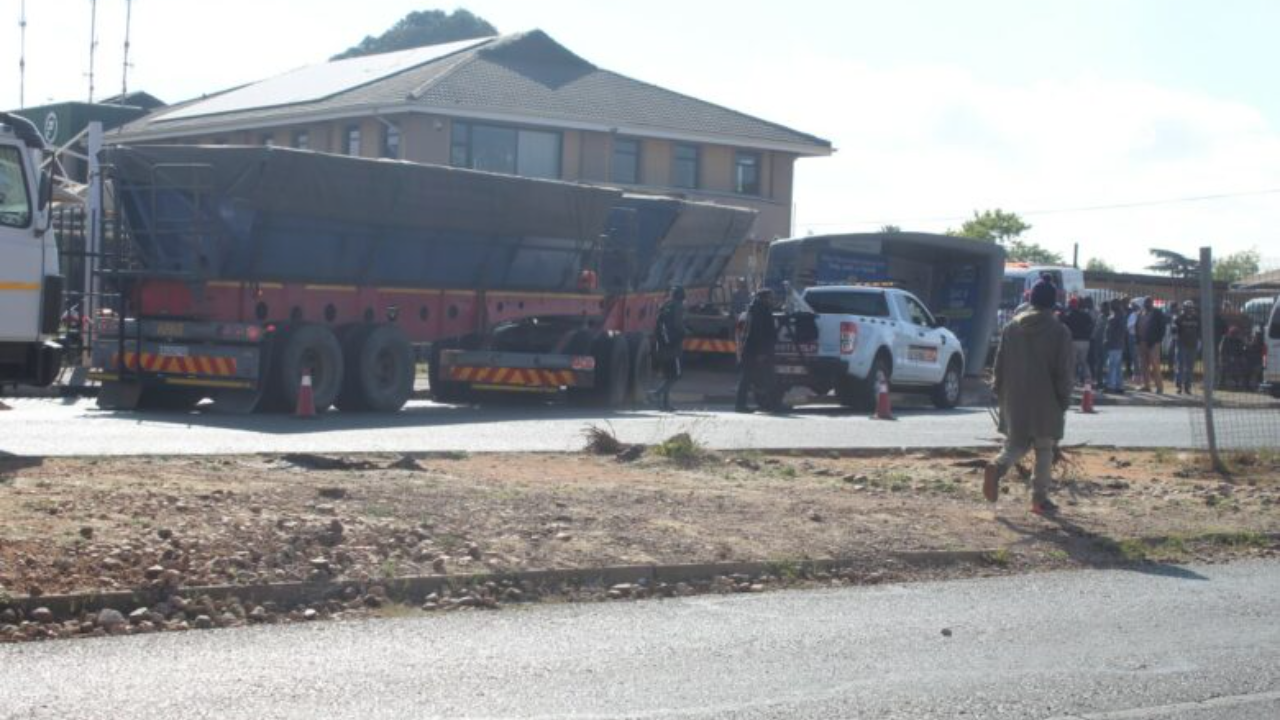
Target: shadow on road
(1090, 549)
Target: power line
(1063, 211)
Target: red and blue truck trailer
(240, 269)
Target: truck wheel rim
(953, 385)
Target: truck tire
(443, 390)
(946, 394)
(314, 347)
(641, 367)
(379, 369)
(612, 374)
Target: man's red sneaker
(1044, 507)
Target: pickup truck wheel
(380, 370)
(946, 394)
(860, 395)
(315, 348)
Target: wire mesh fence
(1232, 369)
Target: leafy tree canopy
(1099, 265)
(423, 27)
(1236, 266)
(993, 226)
(890, 229)
(1006, 228)
(1175, 264)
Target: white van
(1271, 376)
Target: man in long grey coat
(1033, 379)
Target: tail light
(848, 337)
(583, 362)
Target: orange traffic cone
(306, 399)
(884, 409)
(1086, 401)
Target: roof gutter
(152, 132)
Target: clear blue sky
(938, 107)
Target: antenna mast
(22, 57)
(124, 78)
(93, 41)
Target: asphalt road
(76, 427)
(1197, 643)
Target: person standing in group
(755, 361)
(1151, 330)
(1098, 345)
(1188, 329)
(1080, 324)
(668, 337)
(1133, 364)
(1033, 380)
(1115, 337)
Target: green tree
(1006, 228)
(890, 229)
(995, 226)
(1237, 266)
(1098, 265)
(1175, 264)
(423, 27)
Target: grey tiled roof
(528, 76)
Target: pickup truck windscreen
(844, 302)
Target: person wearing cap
(668, 350)
(755, 360)
(1187, 327)
(1033, 381)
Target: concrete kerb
(415, 589)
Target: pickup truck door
(21, 252)
(922, 359)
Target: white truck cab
(30, 286)
(857, 337)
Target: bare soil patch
(77, 525)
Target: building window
(746, 173)
(301, 139)
(352, 144)
(513, 151)
(684, 167)
(391, 140)
(626, 161)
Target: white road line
(1154, 711)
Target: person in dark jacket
(1098, 344)
(668, 350)
(1080, 324)
(1033, 379)
(1188, 330)
(1151, 329)
(755, 363)
(1114, 340)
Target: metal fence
(1232, 371)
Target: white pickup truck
(858, 336)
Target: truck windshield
(847, 302)
(1011, 292)
(15, 202)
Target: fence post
(1208, 315)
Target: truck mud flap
(119, 395)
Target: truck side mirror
(940, 321)
(46, 190)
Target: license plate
(792, 370)
(174, 350)
(169, 329)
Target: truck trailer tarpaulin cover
(956, 277)
(275, 214)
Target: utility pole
(124, 77)
(93, 41)
(22, 57)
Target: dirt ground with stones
(75, 525)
